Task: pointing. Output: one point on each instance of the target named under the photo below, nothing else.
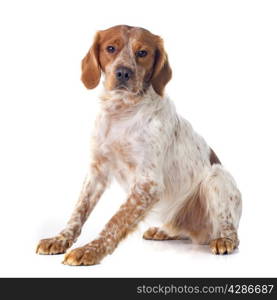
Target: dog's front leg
(93, 187)
(142, 197)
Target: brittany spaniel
(153, 153)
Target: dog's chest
(120, 141)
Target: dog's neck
(123, 103)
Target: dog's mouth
(122, 87)
(125, 88)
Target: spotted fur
(157, 157)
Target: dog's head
(131, 59)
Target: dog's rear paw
(223, 246)
(155, 233)
(55, 245)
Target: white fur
(166, 150)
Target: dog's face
(131, 59)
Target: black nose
(123, 74)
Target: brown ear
(162, 72)
(91, 71)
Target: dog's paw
(88, 255)
(55, 245)
(154, 233)
(157, 234)
(222, 246)
(83, 256)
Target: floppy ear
(91, 71)
(162, 72)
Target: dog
(152, 152)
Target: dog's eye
(110, 49)
(141, 53)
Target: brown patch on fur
(147, 186)
(126, 219)
(152, 69)
(193, 219)
(97, 167)
(213, 158)
(123, 151)
(91, 71)
(162, 70)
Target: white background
(224, 60)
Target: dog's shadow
(178, 246)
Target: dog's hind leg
(224, 206)
(211, 213)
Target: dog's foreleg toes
(55, 245)
(81, 257)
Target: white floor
(136, 257)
